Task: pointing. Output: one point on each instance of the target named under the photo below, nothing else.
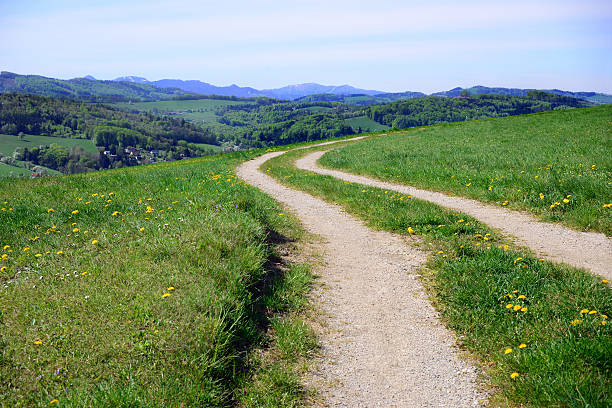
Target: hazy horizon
(388, 46)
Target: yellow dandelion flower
(53, 401)
(583, 311)
(8, 246)
(4, 256)
(60, 252)
(604, 316)
(541, 196)
(508, 351)
(521, 297)
(410, 230)
(516, 308)
(75, 212)
(509, 306)
(26, 249)
(514, 375)
(75, 230)
(141, 229)
(603, 323)
(165, 295)
(593, 312)
(38, 342)
(281, 214)
(3, 268)
(38, 255)
(575, 322)
(522, 345)
(94, 242)
(50, 210)
(523, 309)
(565, 200)
(170, 289)
(604, 281)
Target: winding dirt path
(383, 344)
(592, 251)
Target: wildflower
(171, 288)
(75, 212)
(38, 342)
(3, 268)
(593, 312)
(8, 246)
(141, 229)
(461, 220)
(280, 214)
(165, 295)
(50, 210)
(94, 242)
(4, 256)
(583, 311)
(60, 252)
(521, 297)
(604, 281)
(115, 213)
(410, 230)
(603, 323)
(516, 308)
(75, 230)
(523, 309)
(38, 255)
(575, 322)
(26, 249)
(522, 345)
(53, 401)
(509, 306)
(517, 259)
(565, 200)
(508, 351)
(514, 375)
(541, 196)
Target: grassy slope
(509, 161)
(366, 124)
(8, 143)
(145, 286)
(473, 277)
(6, 170)
(206, 107)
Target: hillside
(555, 164)
(110, 129)
(84, 89)
(110, 279)
(594, 97)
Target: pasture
(555, 164)
(195, 110)
(148, 286)
(541, 329)
(8, 143)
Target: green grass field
(149, 286)
(202, 109)
(8, 143)
(555, 164)
(6, 170)
(539, 329)
(365, 123)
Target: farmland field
(197, 110)
(6, 170)
(539, 328)
(366, 124)
(555, 164)
(147, 286)
(8, 143)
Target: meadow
(8, 143)
(195, 110)
(539, 330)
(365, 124)
(556, 165)
(149, 286)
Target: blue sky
(384, 45)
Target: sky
(385, 45)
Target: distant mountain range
(139, 88)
